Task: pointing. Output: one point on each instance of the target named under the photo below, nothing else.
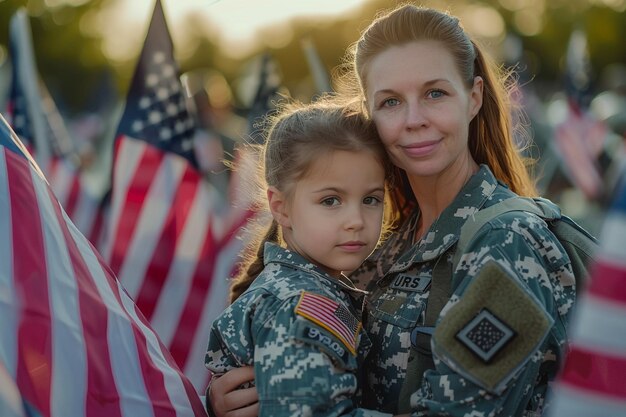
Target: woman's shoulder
(522, 226)
(516, 226)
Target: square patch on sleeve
(480, 337)
(485, 335)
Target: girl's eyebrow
(341, 190)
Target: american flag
(316, 66)
(580, 138)
(330, 315)
(266, 94)
(71, 337)
(36, 120)
(24, 104)
(168, 243)
(593, 381)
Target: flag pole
(318, 70)
(28, 78)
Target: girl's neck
(434, 194)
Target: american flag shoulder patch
(330, 315)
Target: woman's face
(421, 107)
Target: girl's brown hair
(490, 132)
(298, 135)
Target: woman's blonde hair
(298, 135)
(490, 133)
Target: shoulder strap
(480, 218)
(421, 357)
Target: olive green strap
(482, 217)
(420, 357)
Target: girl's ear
(278, 207)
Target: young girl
(293, 315)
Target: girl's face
(421, 106)
(333, 216)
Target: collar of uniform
(445, 230)
(397, 244)
(273, 253)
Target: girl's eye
(371, 201)
(330, 201)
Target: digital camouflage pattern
(489, 359)
(302, 367)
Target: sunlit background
(86, 50)
(81, 45)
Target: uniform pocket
(397, 307)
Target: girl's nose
(354, 219)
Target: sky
(233, 22)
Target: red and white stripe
(79, 201)
(71, 337)
(322, 310)
(579, 140)
(171, 248)
(593, 381)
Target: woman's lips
(422, 148)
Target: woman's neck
(435, 193)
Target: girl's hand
(227, 400)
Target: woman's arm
(226, 399)
(498, 343)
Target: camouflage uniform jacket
(299, 328)
(500, 336)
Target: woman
(441, 110)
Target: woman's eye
(436, 94)
(372, 201)
(390, 102)
(330, 201)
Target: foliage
(78, 73)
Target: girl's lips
(352, 246)
(422, 148)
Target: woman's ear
(476, 96)
(278, 206)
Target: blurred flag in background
(592, 382)
(580, 138)
(319, 73)
(71, 338)
(25, 102)
(34, 117)
(169, 243)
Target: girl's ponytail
(253, 265)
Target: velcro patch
(485, 335)
(488, 349)
(330, 315)
(410, 282)
(315, 335)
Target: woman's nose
(415, 116)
